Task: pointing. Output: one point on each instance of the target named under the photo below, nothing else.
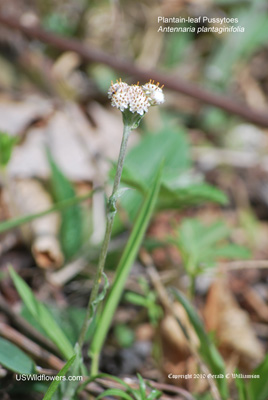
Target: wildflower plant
(134, 102)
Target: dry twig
(30, 347)
(28, 329)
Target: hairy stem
(111, 212)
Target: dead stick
(173, 83)
(30, 347)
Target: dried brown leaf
(231, 325)
(28, 196)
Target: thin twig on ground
(30, 347)
(25, 327)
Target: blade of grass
(258, 388)
(13, 223)
(115, 392)
(54, 385)
(241, 387)
(42, 316)
(122, 272)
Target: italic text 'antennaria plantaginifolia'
(134, 102)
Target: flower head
(118, 92)
(136, 99)
(154, 93)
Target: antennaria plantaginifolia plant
(133, 101)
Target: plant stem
(191, 290)
(111, 212)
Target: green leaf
(241, 387)
(201, 246)
(124, 335)
(142, 161)
(142, 387)
(194, 237)
(7, 143)
(122, 272)
(71, 231)
(155, 394)
(54, 385)
(230, 251)
(42, 316)
(189, 195)
(179, 188)
(169, 145)
(207, 349)
(258, 387)
(14, 359)
(136, 299)
(69, 319)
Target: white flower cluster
(135, 98)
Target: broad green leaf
(122, 272)
(230, 251)
(142, 161)
(207, 349)
(71, 231)
(42, 315)
(194, 237)
(14, 359)
(179, 188)
(56, 382)
(258, 387)
(169, 145)
(189, 195)
(201, 246)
